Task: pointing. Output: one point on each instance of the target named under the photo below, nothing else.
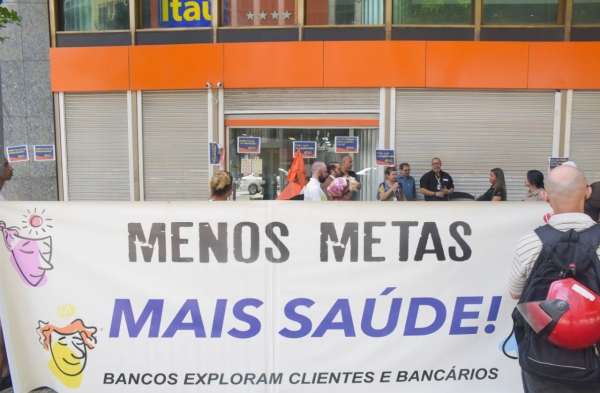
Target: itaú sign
(185, 13)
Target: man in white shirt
(313, 191)
(566, 190)
(7, 174)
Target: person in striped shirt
(566, 191)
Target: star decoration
(250, 15)
(286, 14)
(274, 15)
(263, 15)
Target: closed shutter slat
(473, 132)
(97, 146)
(585, 133)
(175, 143)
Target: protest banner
(260, 296)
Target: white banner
(261, 296)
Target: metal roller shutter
(97, 147)
(175, 145)
(302, 101)
(585, 133)
(473, 132)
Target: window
(440, 12)
(523, 12)
(344, 12)
(176, 13)
(586, 12)
(91, 15)
(259, 13)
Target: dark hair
(500, 182)
(221, 183)
(344, 156)
(331, 166)
(535, 178)
(403, 165)
(389, 170)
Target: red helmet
(569, 317)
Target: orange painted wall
(374, 64)
(564, 65)
(89, 69)
(448, 65)
(177, 67)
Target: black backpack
(537, 356)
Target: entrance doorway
(263, 176)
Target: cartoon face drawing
(30, 257)
(68, 346)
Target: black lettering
(212, 377)
(236, 379)
(414, 376)
(430, 230)
(427, 375)
(334, 377)
(357, 377)
(173, 379)
(464, 372)
(121, 379)
(369, 376)
(157, 232)
(134, 379)
(493, 373)
(201, 379)
(385, 376)
(250, 376)
(160, 379)
(404, 234)
(254, 242)
(466, 250)
(109, 378)
(276, 378)
(322, 378)
(370, 240)
(484, 373)
(283, 250)
(262, 379)
(147, 381)
(402, 376)
(177, 241)
(292, 376)
(188, 379)
(329, 236)
(208, 241)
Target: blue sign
(308, 149)
(346, 144)
(185, 13)
(248, 145)
(44, 153)
(17, 153)
(385, 157)
(215, 153)
(553, 162)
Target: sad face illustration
(30, 257)
(68, 346)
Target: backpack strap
(548, 234)
(590, 236)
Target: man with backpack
(565, 248)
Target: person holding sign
(436, 185)
(390, 189)
(221, 186)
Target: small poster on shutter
(248, 145)
(385, 157)
(307, 148)
(44, 153)
(346, 144)
(553, 162)
(17, 153)
(215, 154)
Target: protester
(346, 165)
(592, 204)
(5, 380)
(390, 189)
(221, 186)
(535, 182)
(334, 170)
(566, 191)
(497, 192)
(436, 185)
(407, 182)
(313, 191)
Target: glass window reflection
(259, 13)
(586, 12)
(523, 12)
(94, 15)
(344, 12)
(442, 12)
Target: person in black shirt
(346, 165)
(497, 191)
(436, 185)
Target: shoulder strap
(591, 236)
(548, 234)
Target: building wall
(27, 99)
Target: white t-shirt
(313, 191)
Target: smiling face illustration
(30, 257)
(68, 346)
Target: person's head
(592, 204)
(346, 162)
(405, 170)
(68, 344)
(221, 185)
(534, 179)
(436, 165)
(319, 171)
(7, 172)
(334, 169)
(391, 174)
(566, 190)
(497, 178)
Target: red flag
(296, 178)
